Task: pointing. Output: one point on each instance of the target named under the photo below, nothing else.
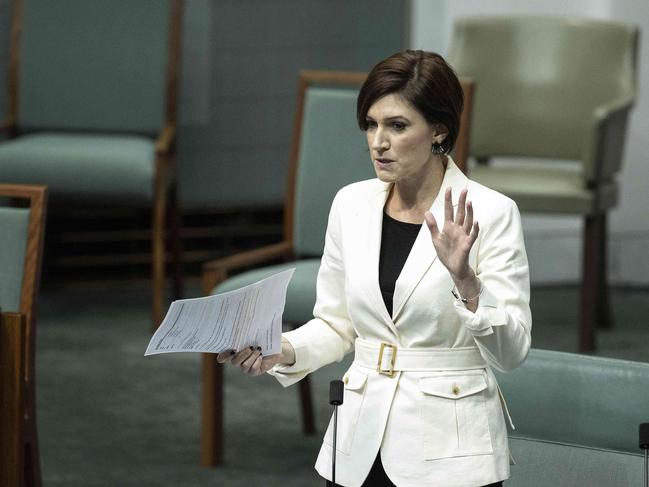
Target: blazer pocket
(348, 412)
(454, 416)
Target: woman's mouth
(381, 161)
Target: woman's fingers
(224, 357)
(461, 208)
(432, 224)
(247, 364)
(241, 356)
(468, 221)
(254, 360)
(448, 205)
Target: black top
(397, 238)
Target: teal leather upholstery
(14, 223)
(82, 166)
(548, 464)
(93, 65)
(301, 292)
(570, 398)
(333, 153)
(576, 417)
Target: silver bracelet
(457, 296)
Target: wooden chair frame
(165, 203)
(217, 271)
(17, 354)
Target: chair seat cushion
(82, 166)
(301, 292)
(546, 190)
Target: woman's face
(400, 139)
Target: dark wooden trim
(590, 285)
(158, 220)
(12, 399)
(212, 412)
(165, 143)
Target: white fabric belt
(394, 358)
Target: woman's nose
(380, 142)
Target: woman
(427, 309)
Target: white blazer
(436, 421)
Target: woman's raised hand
(251, 362)
(456, 237)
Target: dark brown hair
(424, 80)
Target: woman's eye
(370, 124)
(398, 126)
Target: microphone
(336, 390)
(644, 444)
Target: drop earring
(437, 149)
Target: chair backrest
(578, 399)
(329, 151)
(93, 64)
(540, 79)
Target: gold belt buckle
(389, 372)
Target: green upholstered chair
(92, 109)
(576, 419)
(328, 152)
(21, 245)
(553, 88)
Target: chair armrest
(604, 141)
(166, 140)
(217, 271)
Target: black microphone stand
(336, 390)
(644, 444)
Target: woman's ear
(440, 132)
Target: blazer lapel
(373, 244)
(422, 254)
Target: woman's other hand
(453, 243)
(251, 362)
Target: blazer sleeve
(502, 324)
(329, 336)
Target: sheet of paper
(251, 315)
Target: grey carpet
(108, 416)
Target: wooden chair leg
(32, 458)
(158, 254)
(12, 365)
(212, 423)
(590, 286)
(175, 225)
(308, 418)
(605, 315)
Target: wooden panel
(12, 398)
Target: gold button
(346, 380)
(456, 389)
